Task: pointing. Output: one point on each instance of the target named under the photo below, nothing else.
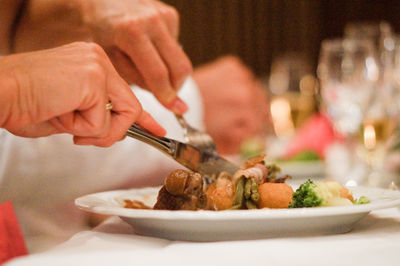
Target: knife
(206, 163)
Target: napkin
(316, 135)
(12, 243)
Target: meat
(220, 194)
(182, 190)
(253, 168)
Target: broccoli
(306, 196)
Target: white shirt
(43, 176)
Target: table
(375, 240)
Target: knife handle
(163, 144)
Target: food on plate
(327, 193)
(135, 204)
(255, 185)
(274, 195)
(242, 190)
(362, 200)
(220, 195)
(182, 190)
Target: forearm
(9, 10)
(8, 88)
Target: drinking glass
(348, 72)
(383, 38)
(292, 89)
(381, 118)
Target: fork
(195, 137)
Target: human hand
(65, 90)
(235, 105)
(140, 37)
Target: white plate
(235, 224)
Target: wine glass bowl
(348, 72)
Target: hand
(65, 90)
(140, 36)
(234, 102)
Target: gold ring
(109, 106)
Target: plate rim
(83, 203)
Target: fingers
(35, 130)
(126, 68)
(144, 119)
(126, 111)
(93, 121)
(160, 61)
(173, 56)
(147, 121)
(155, 74)
(171, 18)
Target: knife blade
(203, 162)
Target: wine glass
(381, 118)
(383, 38)
(348, 72)
(292, 84)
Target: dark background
(259, 30)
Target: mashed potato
(332, 193)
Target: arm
(39, 98)
(139, 36)
(9, 10)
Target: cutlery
(195, 137)
(204, 162)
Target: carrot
(274, 195)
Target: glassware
(382, 36)
(292, 89)
(381, 117)
(348, 72)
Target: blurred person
(235, 103)
(57, 172)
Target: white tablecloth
(375, 240)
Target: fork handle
(163, 144)
(182, 122)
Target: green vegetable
(273, 171)
(306, 196)
(247, 189)
(306, 156)
(361, 200)
(251, 147)
(250, 205)
(239, 194)
(246, 194)
(255, 195)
